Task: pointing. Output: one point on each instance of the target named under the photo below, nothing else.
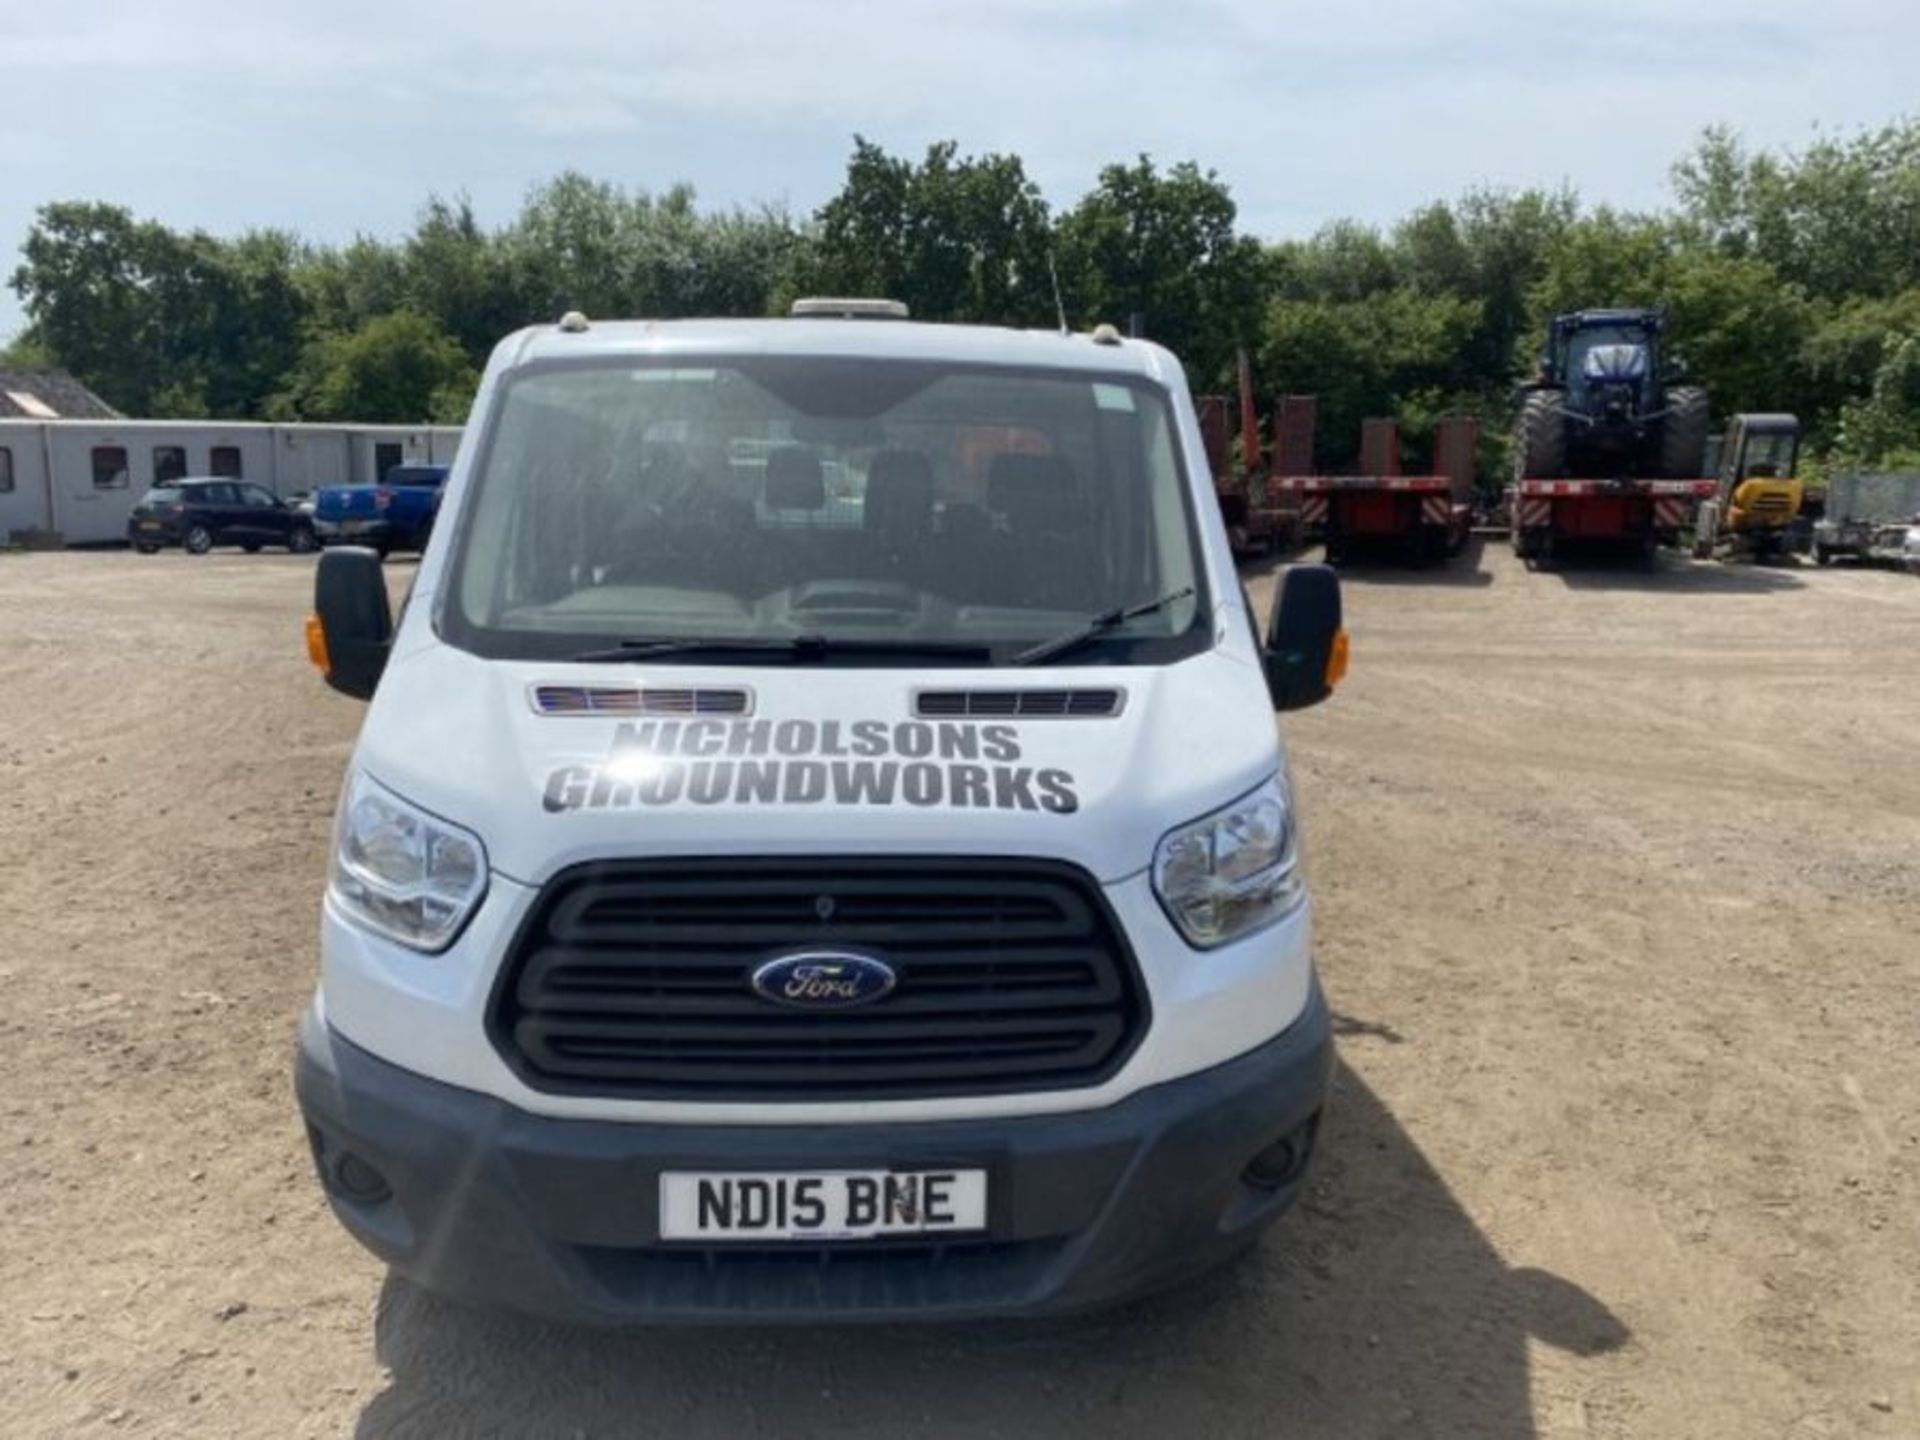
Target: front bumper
(475, 1198)
(353, 532)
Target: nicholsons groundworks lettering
(812, 762)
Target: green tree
(1741, 329)
(1884, 427)
(1841, 218)
(248, 314)
(345, 288)
(580, 244)
(567, 248)
(102, 292)
(455, 272)
(1607, 258)
(1344, 261)
(1847, 343)
(1790, 278)
(1492, 248)
(401, 368)
(158, 322)
(742, 259)
(1163, 246)
(26, 351)
(964, 239)
(1390, 352)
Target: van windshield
(863, 507)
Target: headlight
(1233, 871)
(402, 872)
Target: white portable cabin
(307, 457)
(82, 478)
(101, 468)
(23, 476)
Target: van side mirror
(1306, 651)
(352, 618)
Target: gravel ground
(1619, 878)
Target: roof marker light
(848, 308)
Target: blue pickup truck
(396, 514)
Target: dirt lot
(1619, 877)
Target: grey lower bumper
(472, 1197)
(370, 532)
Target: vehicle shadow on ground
(1371, 565)
(1670, 574)
(1378, 1307)
(1380, 565)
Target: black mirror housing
(1305, 654)
(350, 602)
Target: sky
(337, 118)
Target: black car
(197, 515)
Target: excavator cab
(1759, 491)
(1759, 495)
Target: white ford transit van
(819, 847)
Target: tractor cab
(1605, 361)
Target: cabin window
(109, 467)
(386, 455)
(6, 470)
(224, 461)
(169, 463)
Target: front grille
(635, 700)
(632, 979)
(1026, 704)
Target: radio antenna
(1059, 305)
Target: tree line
(1792, 282)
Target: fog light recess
(1284, 1161)
(354, 1179)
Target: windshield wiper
(799, 647)
(1096, 627)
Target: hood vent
(634, 700)
(1018, 704)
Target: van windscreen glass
(874, 504)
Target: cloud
(337, 116)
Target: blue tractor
(1607, 404)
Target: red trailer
(1641, 514)
(1425, 517)
(1256, 523)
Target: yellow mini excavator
(1759, 496)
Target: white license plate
(352, 527)
(822, 1205)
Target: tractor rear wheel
(1683, 434)
(1540, 438)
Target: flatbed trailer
(1424, 517)
(1258, 518)
(1629, 513)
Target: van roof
(893, 339)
